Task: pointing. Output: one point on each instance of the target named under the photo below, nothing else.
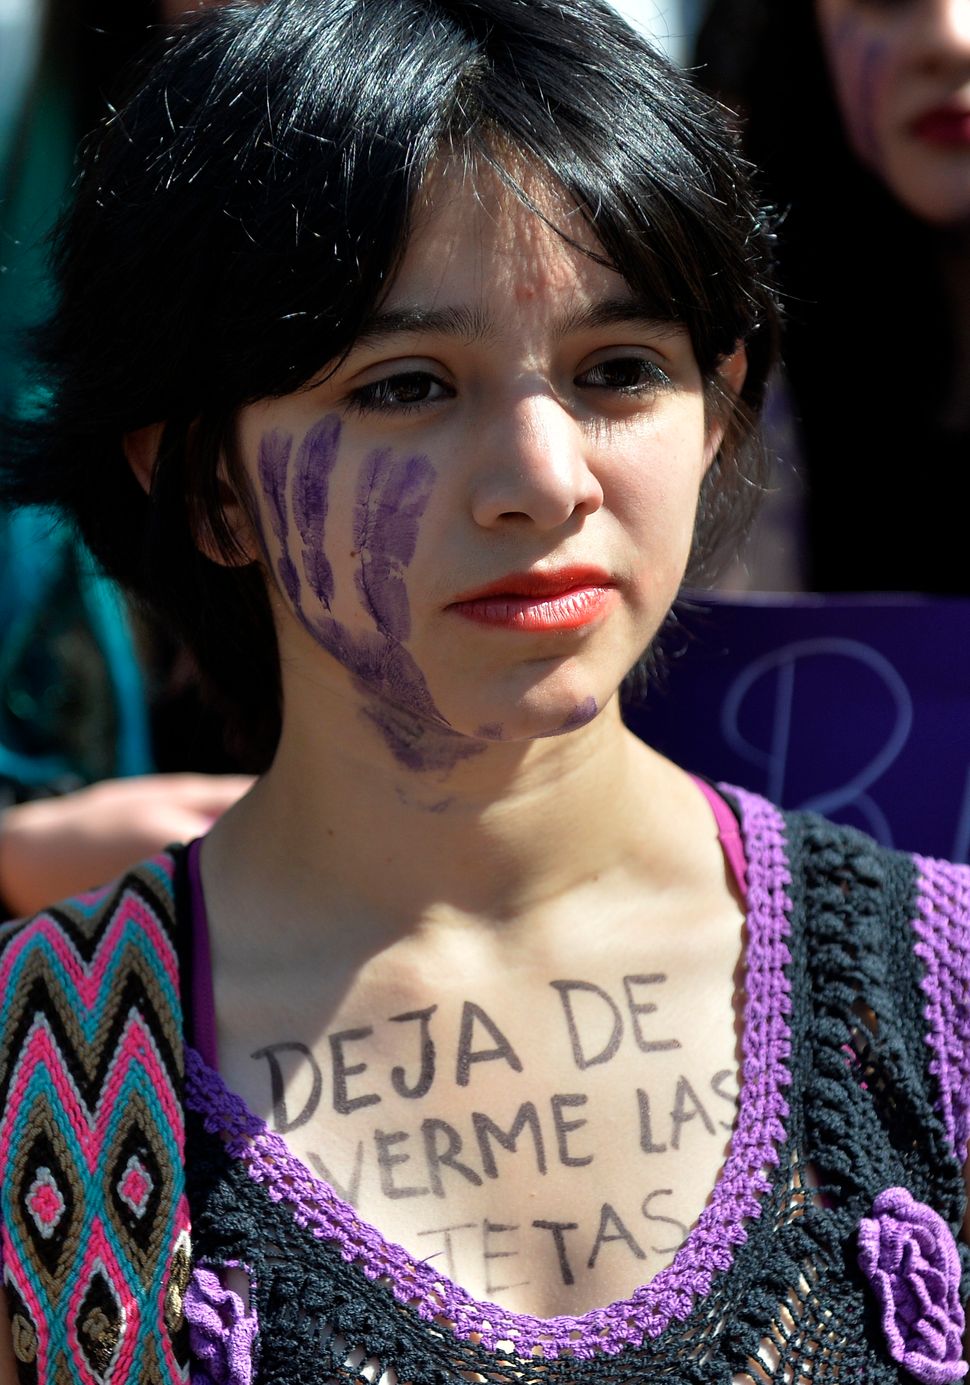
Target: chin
(941, 213)
(535, 718)
(943, 201)
(533, 699)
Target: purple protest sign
(858, 708)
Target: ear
(239, 523)
(729, 381)
(141, 449)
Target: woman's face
(901, 70)
(483, 515)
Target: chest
(767, 1280)
(546, 1140)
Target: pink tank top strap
(202, 1000)
(728, 833)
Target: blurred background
(90, 692)
(670, 24)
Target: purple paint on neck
(314, 465)
(491, 731)
(579, 716)
(415, 732)
(380, 665)
(273, 463)
(418, 744)
(392, 495)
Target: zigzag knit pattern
(94, 1215)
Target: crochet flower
(908, 1254)
(221, 1332)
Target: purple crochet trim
(942, 927)
(710, 1246)
(908, 1254)
(221, 1332)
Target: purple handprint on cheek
(314, 464)
(392, 495)
(861, 61)
(274, 455)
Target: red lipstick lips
(566, 599)
(946, 125)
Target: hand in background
(55, 847)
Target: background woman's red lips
(539, 584)
(944, 125)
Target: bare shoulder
(8, 1365)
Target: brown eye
(407, 390)
(624, 374)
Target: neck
(340, 822)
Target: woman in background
(857, 112)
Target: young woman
(408, 354)
(858, 113)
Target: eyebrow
(474, 324)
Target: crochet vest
(856, 1083)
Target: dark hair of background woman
(868, 338)
(238, 220)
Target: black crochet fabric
(793, 1306)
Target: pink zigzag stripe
(136, 1060)
(99, 1248)
(88, 978)
(163, 862)
(92, 898)
(40, 1051)
(136, 1050)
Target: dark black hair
(241, 215)
(85, 45)
(868, 340)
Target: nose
(534, 465)
(942, 39)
